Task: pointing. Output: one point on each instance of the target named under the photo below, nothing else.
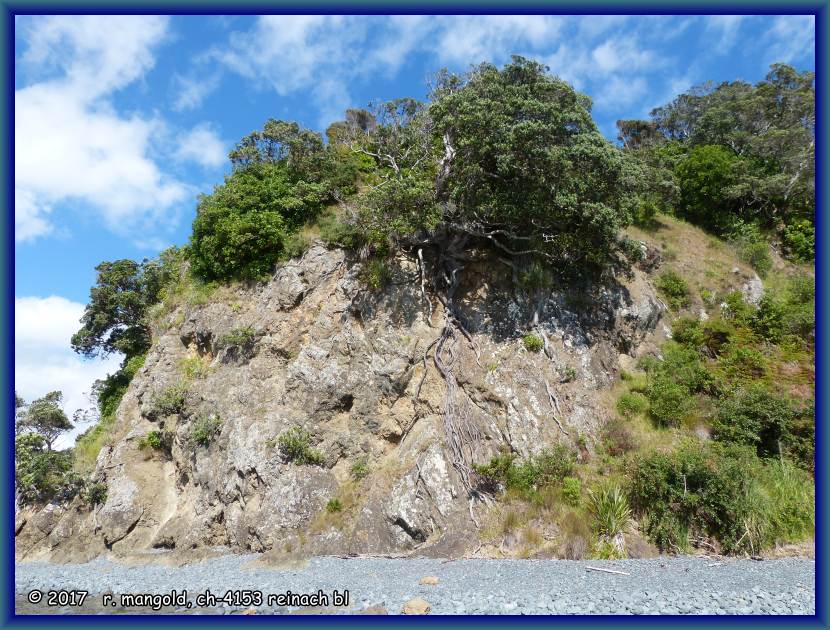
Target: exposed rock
(753, 290)
(416, 606)
(347, 365)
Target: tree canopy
(114, 320)
(509, 157)
(742, 153)
(45, 417)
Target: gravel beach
(667, 585)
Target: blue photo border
(8, 11)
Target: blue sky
(121, 121)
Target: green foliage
(360, 469)
(167, 402)
(704, 177)
(535, 278)
(334, 505)
(749, 149)
(108, 393)
(724, 493)
(532, 343)
(528, 155)
(756, 417)
(42, 475)
(741, 363)
(242, 338)
(674, 289)
(95, 494)
(618, 438)
(610, 511)
(756, 254)
(792, 313)
(194, 367)
(45, 417)
(204, 429)
(799, 239)
(156, 440)
(673, 382)
(768, 321)
(631, 404)
(568, 374)
(548, 467)
(111, 390)
(376, 273)
(294, 447)
(572, 491)
(115, 319)
(283, 177)
(751, 245)
(785, 500)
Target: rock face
(353, 368)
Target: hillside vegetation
(706, 441)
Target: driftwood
(606, 570)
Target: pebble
(665, 585)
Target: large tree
(510, 157)
(768, 130)
(46, 418)
(114, 320)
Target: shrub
(756, 254)
(532, 343)
(194, 367)
(242, 338)
(669, 401)
(334, 505)
(755, 417)
(548, 467)
(688, 332)
(294, 447)
(800, 441)
(742, 363)
(156, 440)
(631, 404)
(95, 494)
(785, 500)
(167, 402)
(611, 514)
(40, 474)
(735, 309)
(376, 273)
(799, 240)
(698, 491)
(618, 438)
(568, 374)
(572, 491)
(204, 429)
(769, 320)
(360, 469)
(674, 289)
(704, 177)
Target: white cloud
(94, 52)
(726, 28)
(623, 54)
(30, 216)
(71, 145)
(43, 359)
(471, 39)
(790, 38)
(203, 146)
(621, 92)
(191, 91)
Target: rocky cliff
(354, 368)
